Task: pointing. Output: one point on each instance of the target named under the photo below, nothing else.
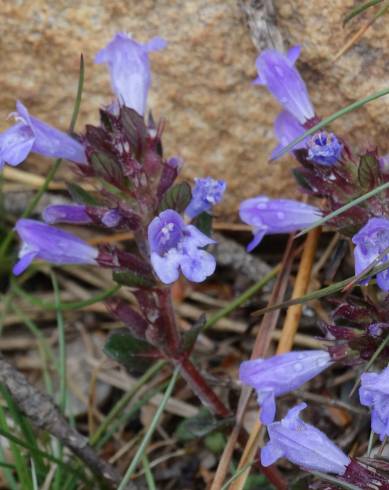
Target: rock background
(217, 121)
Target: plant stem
(173, 351)
(200, 387)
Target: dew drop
(280, 215)
(298, 367)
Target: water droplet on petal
(298, 367)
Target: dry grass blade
(266, 325)
(361, 31)
(285, 344)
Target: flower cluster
(125, 152)
(136, 191)
(328, 170)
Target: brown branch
(44, 414)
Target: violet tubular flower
(277, 71)
(270, 216)
(287, 129)
(374, 393)
(129, 66)
(42, 241)
(370, 242)
(29, 134)
(303, 445)
(281, 374)
(66, 213)
(384, 164)
(324, 148)
(206, 193)
(175, 246)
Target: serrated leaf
(132, 279)
(134, 354)
(204, 223)
(81, 196)
(202, 424)
(177, 198)
(368, 171)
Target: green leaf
(368, 171)
(204, 223)
(81, 196)
(132, 279)
(125, 349)
(300, 179)
(215, 442)
(177, 198)
(202, 424)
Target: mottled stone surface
(217, 121)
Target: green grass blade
(19, 459)
(117, 410)
(320, 293)
(44, 349)
(359, 9)
(241, 299)
(61, 346)
(328, 120)
(58, 447)
(12, 438)
(24, 425)
(344, 208)
(7, 473)
(65, 306)
(149, 434)
(148, 473)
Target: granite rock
(216, 119)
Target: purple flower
(324, 148)
(32, 135)
(370, 242)
(287, 129)
(66, 213)
(281, 374)
(175, 245)
(128, 63)
(111, 218)
(206, 193)
(45, 242)
(270, 216)
(302, 444)
(384, 163)
(374, 393)
(276, 70)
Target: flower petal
(166, 267)
(198, 266)
(23, 263)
